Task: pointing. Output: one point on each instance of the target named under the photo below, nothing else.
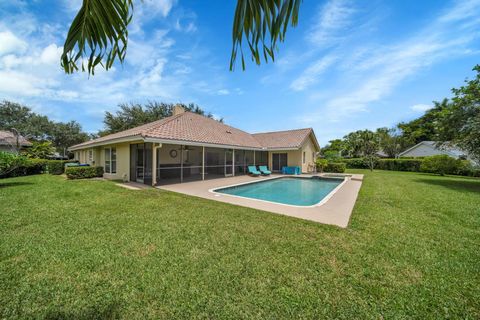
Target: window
(90, 156)
(110, 160)
(313, 156)
(303, 157)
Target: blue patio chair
(264, 170)
(253, 171)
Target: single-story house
(9, 141)
(188, 147)
(430, 148)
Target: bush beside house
(337, 167)
(12, 165)
(83, 172)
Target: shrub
(355, 163)
(83, 172)
(10, 162)
(338, 167)
(412, 165)
(441, 164)
(321, 164)
(58, 166)
(55, 166)
(370, 161)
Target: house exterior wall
(122, 159)
(310, 150)
(295, 157)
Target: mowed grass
(90, 249)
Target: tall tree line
(38, 128)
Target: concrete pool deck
(335, 211)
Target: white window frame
(90, 156)
(110, 161)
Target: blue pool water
(293, 191)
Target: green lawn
(89, 249)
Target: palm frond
(98, 35)
(262, 23)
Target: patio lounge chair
(252, 170)
(264, 170)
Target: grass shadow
(13, 184)
(470, 185)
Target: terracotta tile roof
(8, 138)
(137, 131)
(283, 139)
(192, 127)
(186, 126)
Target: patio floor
(335, 211)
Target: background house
(430, 148)
(9, 142)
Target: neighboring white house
(429, 148)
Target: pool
(286, 190)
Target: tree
(353, 144)
(133, 115)
(27, 123)
(460, 120)
(98, 34)
(424, 128)
(35, 127)
(334, 149)
(391, 141)
(40, 150)
(363, 143)
(64, 135)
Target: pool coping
(335, 211)
(321, 202)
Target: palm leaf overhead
(99, 33)
(262, 23)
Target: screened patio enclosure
(182, 163)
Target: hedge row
(386, 164)
(83, 172)
(337, 167)
(37, 166)
(458, 167)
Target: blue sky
(348, 65)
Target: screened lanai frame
(177, 163)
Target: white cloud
(189, 27)
(380, 69)
(51, 54)
(335, 16)
(223, 92)
(421, 107)
(311, 74)
(11, 43)
(162, 7)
